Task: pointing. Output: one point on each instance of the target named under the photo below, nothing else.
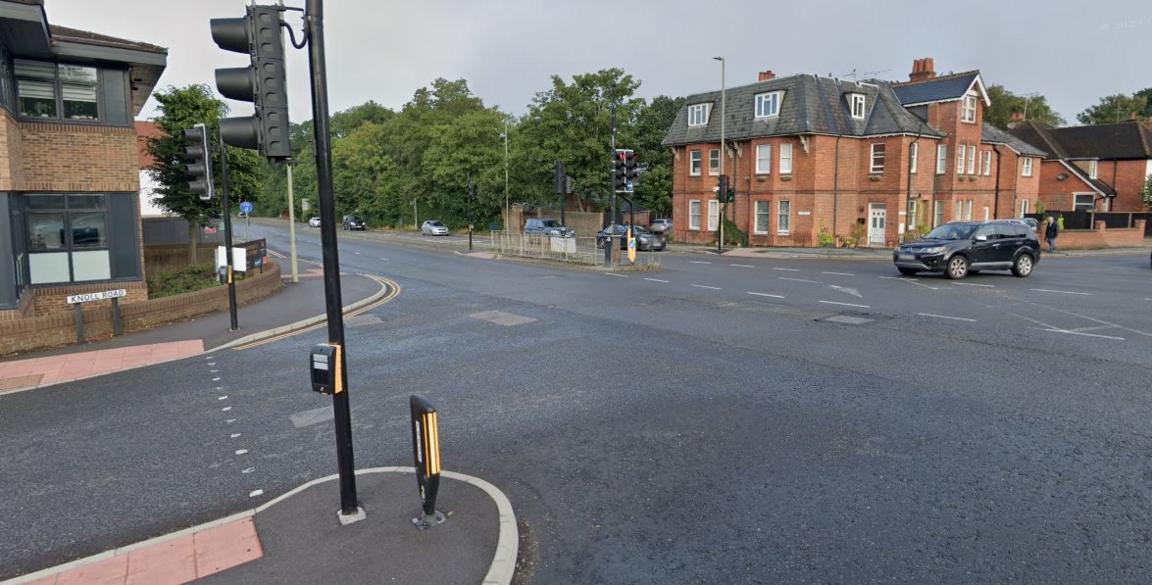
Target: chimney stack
(767, 75)
(922, 69)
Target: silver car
(434, 227)
(660, 226)
(314, 222)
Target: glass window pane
(48, 268)
(37, 98)
(88, 229)
(80, 102)
(35, 69)
(45, 201)
(78, 74)
(94, 265)
(46, 231)
(85, 202)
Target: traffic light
(471, 190)
(559, 177)
(258, 34)
(722, 189)
(620, 171)
(199, 167)
(631, 168)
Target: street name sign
(100, 296)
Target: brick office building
(861, 161)
(69, 167)
(1101, 168)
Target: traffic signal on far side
(199, 167)
(631, 167)
(620, 170)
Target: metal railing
(578, 250)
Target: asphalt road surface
(720, 421)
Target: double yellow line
(393, 292)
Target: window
(784, 218)
(960, 159)
(713, 215)
(1084, 202)
(768, 104)
(877, 166)
(969, 106)
(913, 219)
(67, 238)
(49, 90)
(937, 213)
(941, 158)
(1024, 204)
(694, 214)
(913, 154)
(987, 213)
(1027, 171)
(972, 160)
(958, 213)
(968, 210)
(857, 105)
(714, 161)
(785, 159)
(694, 163)
(698, 114)
(763, 159)
(1091, 169)
(761, 226)
(987, 170)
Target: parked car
(966, 247)
(660, 226)
(1032, 223)
(353, 222)
(314, 222)
(645, 240)
(434, 227)
(547, 227)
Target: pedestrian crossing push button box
(325, 367)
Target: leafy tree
(180, 109)
(1114, 109)
(655, 188)
(1146, 193)
(1146, 95)
(1006, 104)
(365, 177)
(470, 144)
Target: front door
(877, 225)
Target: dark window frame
(58, 93)
(69, 245)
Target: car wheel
(957, 267)
(907, 271)
(1023, 265)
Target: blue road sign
(246, 207)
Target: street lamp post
(721, 197)
(507, 204)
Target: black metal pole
(612, 188)
(225, 188)
(314, 16)
(471, 211)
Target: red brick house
(1101, 168)
(860, 161)
(69, 162)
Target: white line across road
(656, 280)
(797, 280)
(974, 284)
(698, 262)
(1060, 292)
(787, 269)
(846, 304)
(935, 316)
(1085, 334)
(707, 287)
(742, 266)
(759, 294)
(616, 275)
(839, 273)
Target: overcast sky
(507, 49)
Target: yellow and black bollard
(426, 452)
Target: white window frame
(913, 157)
(713, 215)
(960, 156)
(1076, 201)
(698, 114)
(783, 217)
(972, 160)
(859, 103)
(713, 170)
(987, 163)
(1027, 169)
(968, 210)
(941, 159)
(694, 214)
(968, 109)
(1025, 206)
(958, 212)
(1093, 168)
(765, 100)
(763, 159)
(872, 168)
(937, 213)
(695, 163)
(785, 159)
(763, 210)
(987, 213)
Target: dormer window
(698, 114)
(969, 109)
(857, 101)
(768, 104)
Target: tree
(1146, 193)
(1006, 104)
(655, 188)
(1117, 108)
(1146, 95)
(469, 144)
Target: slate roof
(1040, 135)
(63, 33)
(1128, 140)
(1099, 185)
(992, 135)
(945, 87)
(810, 105)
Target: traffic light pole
(226, 203)
(612, 186)
(314, 17)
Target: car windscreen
(953, 231)
(435, 224)
(551, 223)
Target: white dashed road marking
(839, 273)
(846, 304)
(787, 269)
(1060, 292)
(1085, 334)
(698, 262)
(974, 284)
(756, 294)
(234, 435)
(225, 397)
(935, 316)
(656, 280)
(616, 275)
(797, 280)
(248, 470)
(241, 451)
(256, 493)
(742, 266)
(706, 286)
(226, 409)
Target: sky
(508, 50)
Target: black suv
(966, 247)
(352, 222)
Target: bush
(733, 235)
(825, 238)
(190, 279)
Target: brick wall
(1127, 178)
(49, 300)
(59, 329)
(75, 157)
(11, 153)
(1102, 237)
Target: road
(722, 420)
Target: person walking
(1051, 231)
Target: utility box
(324, 364)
